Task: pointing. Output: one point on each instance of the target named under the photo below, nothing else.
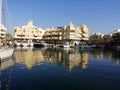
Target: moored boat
(5, 49)
(65, 45)
(6, 53)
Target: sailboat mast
(0, 11)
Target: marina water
(61, 69)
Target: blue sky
(99, 15)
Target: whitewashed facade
(68, 32)
(28, 33)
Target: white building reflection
(66, 58)
(28, 57)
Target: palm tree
(9, 36)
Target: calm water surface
(61, 69)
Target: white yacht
(66, 45)
(5, 51)
(24, 43)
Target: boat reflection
(6, 63)
(6, 68)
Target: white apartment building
(2, 33)
(76, 33)
(70, 33)
(52, 35)
(27, 34)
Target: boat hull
(6, 53)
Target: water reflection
(6, 64)
(114, 56)
(5, 77)
(28, 57)
(101, 69)
(68, 58)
